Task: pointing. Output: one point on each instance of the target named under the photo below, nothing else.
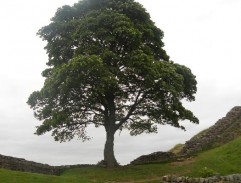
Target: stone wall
(235, 178)
(156, 157)
(19, 164)
(223, 131)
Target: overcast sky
(204, 35)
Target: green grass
(7, 176)
(223, 160)
(177, 148)
(200, 134)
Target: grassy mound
(223, 160)
(177, 148)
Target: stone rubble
(156, 157)
(234, 178)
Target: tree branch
(81, 123)
(132, 109)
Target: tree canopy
(107, 67)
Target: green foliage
(206, 172)
(107, 67)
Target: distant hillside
(224, 130)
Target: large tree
(107, 67)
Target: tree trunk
(109, 157)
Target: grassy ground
(223, 160)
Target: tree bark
(109, 157)
(110, 128)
